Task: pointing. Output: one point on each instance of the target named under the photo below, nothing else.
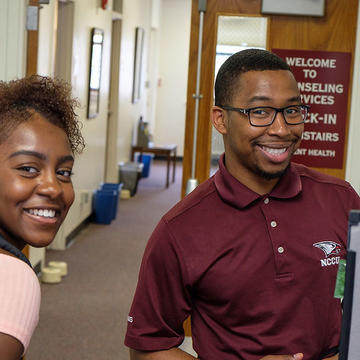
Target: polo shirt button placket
(280, 249)
(266, 201)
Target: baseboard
(69, 239)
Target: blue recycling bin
(146, 160)
(104, 205)
(117, 187)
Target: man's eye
(260, 112)
(293, 111)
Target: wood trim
(225, 7)
(26, 251)
(32, 46)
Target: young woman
(39, 136)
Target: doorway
(111, 169)
(64, 40)
(234, 33)
(214, 9)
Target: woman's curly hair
(51, 98)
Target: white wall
(135, 13)
(173, 73)
(90, 166)
(153, 63)
(47, 39)
(353, 150)
(12, 39)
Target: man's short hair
(243, 61)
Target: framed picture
(139, 41)
(293, 7)
(96, 45)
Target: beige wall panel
(135, 13)
(12, 39)
(173, 68)
(89, 166)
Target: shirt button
(266, 201)
(280, 249)
(273, 224)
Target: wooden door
(32, 45)
(214, 8)
(336, 31)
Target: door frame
(203, 145)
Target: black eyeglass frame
(277, 110)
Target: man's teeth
(273, 151)
(43, 212)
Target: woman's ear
(218, 119)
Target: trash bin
(146, 160)
(117, 187)
(104, 205)
(129, 175)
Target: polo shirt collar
(234, 192)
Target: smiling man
(258, 151)
(241, 254)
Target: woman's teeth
(43, 212)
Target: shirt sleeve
(162, 298)
(355, 199)
(19, 300)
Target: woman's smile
(36, 162)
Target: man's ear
(218, 119)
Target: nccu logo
(329, 248)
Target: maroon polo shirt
(256, 273)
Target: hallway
(84, 317)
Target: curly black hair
(228, 76)
(51, 98)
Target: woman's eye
(28, 169)
(65, 173)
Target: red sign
(104, 4)
(323, 80)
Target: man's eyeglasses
(265, 115)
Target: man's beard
(270, 176)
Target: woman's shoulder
(16, 274)
(19, 300)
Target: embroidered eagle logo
(328, 247)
